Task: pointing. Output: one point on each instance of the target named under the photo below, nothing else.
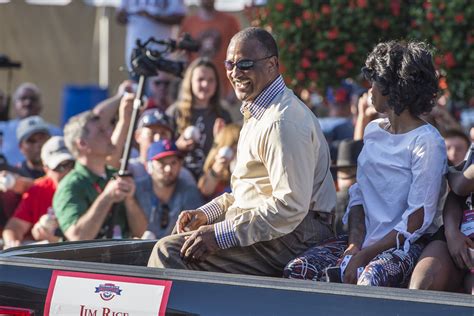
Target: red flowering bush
(322, 42)
(449, 27)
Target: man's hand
(200, 244)
(40, 233)
(126, 106)
(120, 188)
(127, 86)
(190, 220)
(359, 259)
(458, 246)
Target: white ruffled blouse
(398, 174)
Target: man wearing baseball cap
(34, 218)
(166, 193)
(32, 133)
(153, 125)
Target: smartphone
(333, 274)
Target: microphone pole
(137, 104)
(123, 172)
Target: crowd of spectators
(388, 164)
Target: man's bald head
(263, 38)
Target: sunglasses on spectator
(161, 82)
(34, 139)
(165, 215)
(31, 98)
(63, 166)
(244, 64)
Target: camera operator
(145, 19)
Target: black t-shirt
(25, 171)
(204, 120)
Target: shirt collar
(258, 106)
(83, 170)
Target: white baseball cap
(54, 152)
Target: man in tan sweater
(282, 195)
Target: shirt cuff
(212, 211)
(225, 235)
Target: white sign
(87, 294)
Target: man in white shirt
(283, 194)
(149, 18)
(26, 103)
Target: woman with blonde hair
(218, 166)
(198, 114)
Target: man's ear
(21, 146)
(136, 135)
(273, 63)
(81, 143)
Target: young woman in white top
(400, 177)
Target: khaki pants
(266, 258)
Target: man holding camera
(90, 202)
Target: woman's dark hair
(405, 73)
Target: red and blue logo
(108, 291)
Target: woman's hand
(352, 249)
(184, 144)
(220, 165)
(359, 259)
(219, 124)
(458, 246)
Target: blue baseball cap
(161, 149)
(154, 117)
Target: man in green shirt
(89, 203)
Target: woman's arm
(461, 182)
(458, 243)
(209, 181)
(364, 256)
(356, 229)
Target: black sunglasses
(161, 82)
(165, 215)
(244, 64)
(64, 166)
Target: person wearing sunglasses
(27, 222)
(282, 193)
(167, 191)
(159, 91)
(32, 133)
(91, 202)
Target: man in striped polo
(282, 195)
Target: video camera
(146, 61)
